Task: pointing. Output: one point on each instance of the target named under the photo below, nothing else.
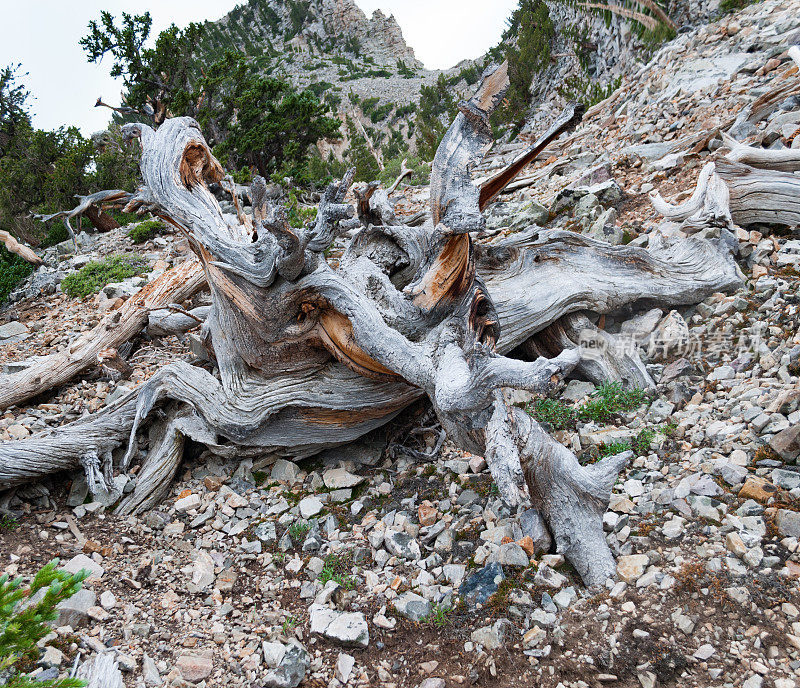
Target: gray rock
(605, 228)
(292, 668)
(576, 390)
(788, 480)
(533, 526)
(267, 533)
(310, 506)
(150, 672)
(412, 606)
(480, 586)
(488, 637)
(346, 628)
(788, 523)
(511, 554)
(74, 611)
(285, 471)
(13, 329)
(402, 545)
(787, 443)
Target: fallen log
(729, 193)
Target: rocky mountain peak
(320, 26)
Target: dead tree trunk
(310, 357)
(19, 249)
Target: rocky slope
(371, 565)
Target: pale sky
(43, 35)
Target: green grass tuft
(93, 276)
(336, 569)
(146, 230)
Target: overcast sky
(43, 35)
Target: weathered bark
(101, 671)
(309, 357)
(19, 249)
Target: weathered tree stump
(309, 357)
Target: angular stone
(427, 514)
(339, 478)
(266, 533)
(788, 523)
(547, 576)
(80, 562)
(511, 554)
(787, 443)
(346, 628)
(401, 544)
(75, 610)
(487, 637)
(191, 501)
(630, 567)
(344, 666)
(480, 586)
(13, 329)
(788, 480)
(412, 606)
(285, 471)
(195, 668)
(310, 506)
(150, 672)
(757, 488)
(203, 570)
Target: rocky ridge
(370, 565)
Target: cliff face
(319, 27)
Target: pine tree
(22, 627)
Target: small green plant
(439, 616)
(556, 414)
(613, 448)
(298, 530)
(335, 568)
(8, 523)
(146, 230)
(641, 444)
(290, 624)
(55, 235)
(610, 399)
(297, 214)
(726, 6)
(22, 628)
(93, 276)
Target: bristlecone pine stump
(309, 357)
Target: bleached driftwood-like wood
(730, 192)
(24, 252)
(645, 20)
(92, 207)
(404, 172)
(766, 196)
(783, 159)
(101, 671)
(309, 357)
(173, 321)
